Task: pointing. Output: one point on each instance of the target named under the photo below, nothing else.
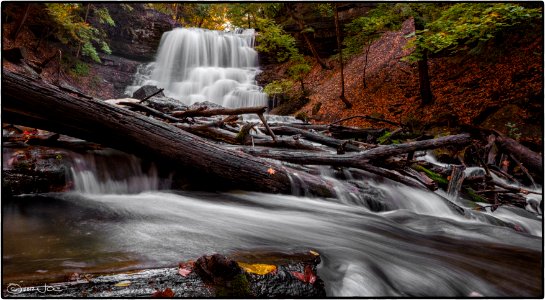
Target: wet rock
(116, 71)
(34, 170)
(146, 91)
(204, 104)
(216, 268)
(166, 104)
(159, 101)
(137, 34)
(211, 276)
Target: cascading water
(195, 65)
(418, 246)
(113, 172)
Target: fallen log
(38, 104)
(199, 112)
(531, 160)
(358, 160)
(315, 137)
(218, 134)
(154, 112)
(342, 132)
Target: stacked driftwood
(265, 156)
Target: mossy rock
(239, 286)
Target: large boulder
(137, 34)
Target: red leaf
(184, 272)
(299, 276)
(167, 293)
(308, 276)
(185, 268)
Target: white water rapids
(418, 247)
(195, 65)
(387, 241)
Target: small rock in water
(146, 91)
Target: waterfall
(194, 65)
(113, 172)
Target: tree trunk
(347, 104)
(310, 46)
(365, 64)
(37, 104)
(358, 160)
(423, 70)
(84, 20)
(23, 20)
(315, 137)
(530, 159)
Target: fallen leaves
(259, 269)
(308, 276)
(185, 268)
(271, 171)
(123, 283)
(166, 293)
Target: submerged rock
(210, 276)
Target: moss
(384, 138)
(432, 175)
(473, 196)
(239, 286)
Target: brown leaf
(167, 293)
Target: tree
(363, 31)
(299, 70)
(450, 28)
(71, 28)
(21, 23)
(304, 30)
(339, 45)
(272, 39)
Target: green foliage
(278, 87)
(72, 28)
(80, 69)
(513, 131)
(272, 39)
(464, 26)
(126, 7)
(104, 16)
(364, 30)
(299, 70)
(245, 15)
(326, 9)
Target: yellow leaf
(259, 269)
(123, 283)
(271, 171)
(314, 253)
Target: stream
(123, 215)
(118, 217)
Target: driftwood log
(37, 104)
(358, 160)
